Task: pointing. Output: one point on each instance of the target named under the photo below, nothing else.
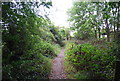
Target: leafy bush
(115, 47)
(81, 75)
(88, 58)
(27, 42)
(46, 49)
(34, 64)
(57, 37)
(31, 69)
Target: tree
(83, 18)
(27, 41)
(94, 16)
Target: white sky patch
(59, 12)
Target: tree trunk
(118, 18)
(95, 33)
(117, 71)
(114, 29)
(114, 24)
(107, 30)
(99, 34)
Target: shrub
(31, 69)
(115, 47)
(88, 58)
(46, 49)
(81, 75)
(34, 64)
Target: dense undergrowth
(34, 64)
(28, 45)
(90, 60)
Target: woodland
(30, 41)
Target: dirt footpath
(58, 67)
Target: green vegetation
(28, 41)
(95, 19)
(91, 61)
(96, 43)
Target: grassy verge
(69, 70)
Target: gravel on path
(57, 71)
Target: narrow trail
(57, 71)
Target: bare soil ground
(57, 71)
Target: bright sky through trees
(58, 12)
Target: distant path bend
(57, 71)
